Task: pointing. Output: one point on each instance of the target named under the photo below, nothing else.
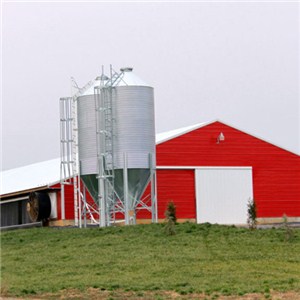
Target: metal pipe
(101, 195)
(84, 206)
(75, 201)
(125, 188)
(62, 201)
(68, 135)
(21, 226)
(153, 188)
(154, 198)
(79, 205)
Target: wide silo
(132, 156)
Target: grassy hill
(143, 260)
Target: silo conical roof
(90, 90)
(128, 78)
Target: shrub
(171, 212)
(171, 219)
(252, 214)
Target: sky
(234, 61)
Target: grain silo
(116, 145)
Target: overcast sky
(234, 61)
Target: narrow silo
(132, 146)
(87, 142)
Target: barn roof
(165, 136)
(47, 173)
(36, 175)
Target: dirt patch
(98, 294)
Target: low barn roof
(37, 175)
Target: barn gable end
(276, 172)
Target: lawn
(198, 259)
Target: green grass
(198, 259)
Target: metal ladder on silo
(109, 122)
(105, 175)
(108, 131)
(105, 148)
(114, 207)
(106, 93)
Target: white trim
(14, 200)
(175, 168)
(227, 168)
(199, 167)
(169, 135)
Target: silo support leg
(153, 187)
(101, 195)
(84, 207)
(62, 208)
(125, 187)
(153, 198)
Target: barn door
(222, 194)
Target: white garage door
(222, 194)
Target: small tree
(171, 219)
(252, 214)
(171, 211)
(288, 231)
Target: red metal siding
(177, 186)
(69, 201)
(276, 172)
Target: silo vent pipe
(126, 69)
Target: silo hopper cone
(138, 180)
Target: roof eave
(23, 192)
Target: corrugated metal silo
(132, 142)
(134, 134)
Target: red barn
(210, 171)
